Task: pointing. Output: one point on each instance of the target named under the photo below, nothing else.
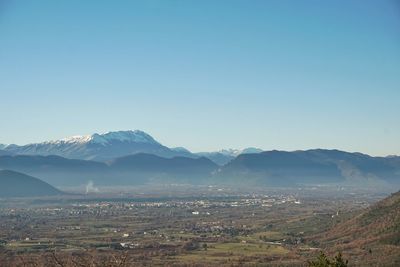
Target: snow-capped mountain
(224, 156)
(237, 152)
(97, 146)
(108, 138)
(111, 145)
(181, 150)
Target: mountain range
(224, 156)
(313, 167)
(271, 168)
(108, 146)
(99, 147)
(134, 157)
(129, 170)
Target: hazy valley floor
(190, 226)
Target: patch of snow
(104, 139)
(129, 136)
(74, 139)
(237, 152)
(230, 152)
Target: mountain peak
(180, 149)
(136, 136)
(104, 146)
(129, 136)
(237, 152)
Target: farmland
(269, 227)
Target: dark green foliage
(324, 261)
(191, 245)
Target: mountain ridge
(269, 168)
(113, 144)
(99, 147)
(16, 184)
(133, 169)
(312, 166)
(370, 232)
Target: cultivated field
(215, 226)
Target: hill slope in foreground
(372, 238)
(15, 184)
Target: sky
(204, 75)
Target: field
(211, 227)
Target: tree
(323, 261)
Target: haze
(204, 75)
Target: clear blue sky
(204, 74)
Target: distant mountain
(279, 168)
(237, 152)
(111, 145)
(15, 184)
(99, 147)
(224, 156)
(4, 153)
(129, 170)
(310, 167)
(181, 150)
(155, 168)
(372, 235)
(270, 168)
(56, 170)
(218, 158)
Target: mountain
(217, 157)
(56, 170)
(99, 147)
(237, 152)
(310, 167)
(4, 153)
(111, 145)
(129, 170)
(15, 184)
(279, 168)
(371, 236)
(269, 168)
(181, 150)
(155, 168)
(224, 156)
(358, 167)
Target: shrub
(323, 261)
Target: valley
(123, 199)
(200, 226)
(199, 133)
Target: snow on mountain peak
(127, 136)
(237, 152)
(75, 139)
(103, 139)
